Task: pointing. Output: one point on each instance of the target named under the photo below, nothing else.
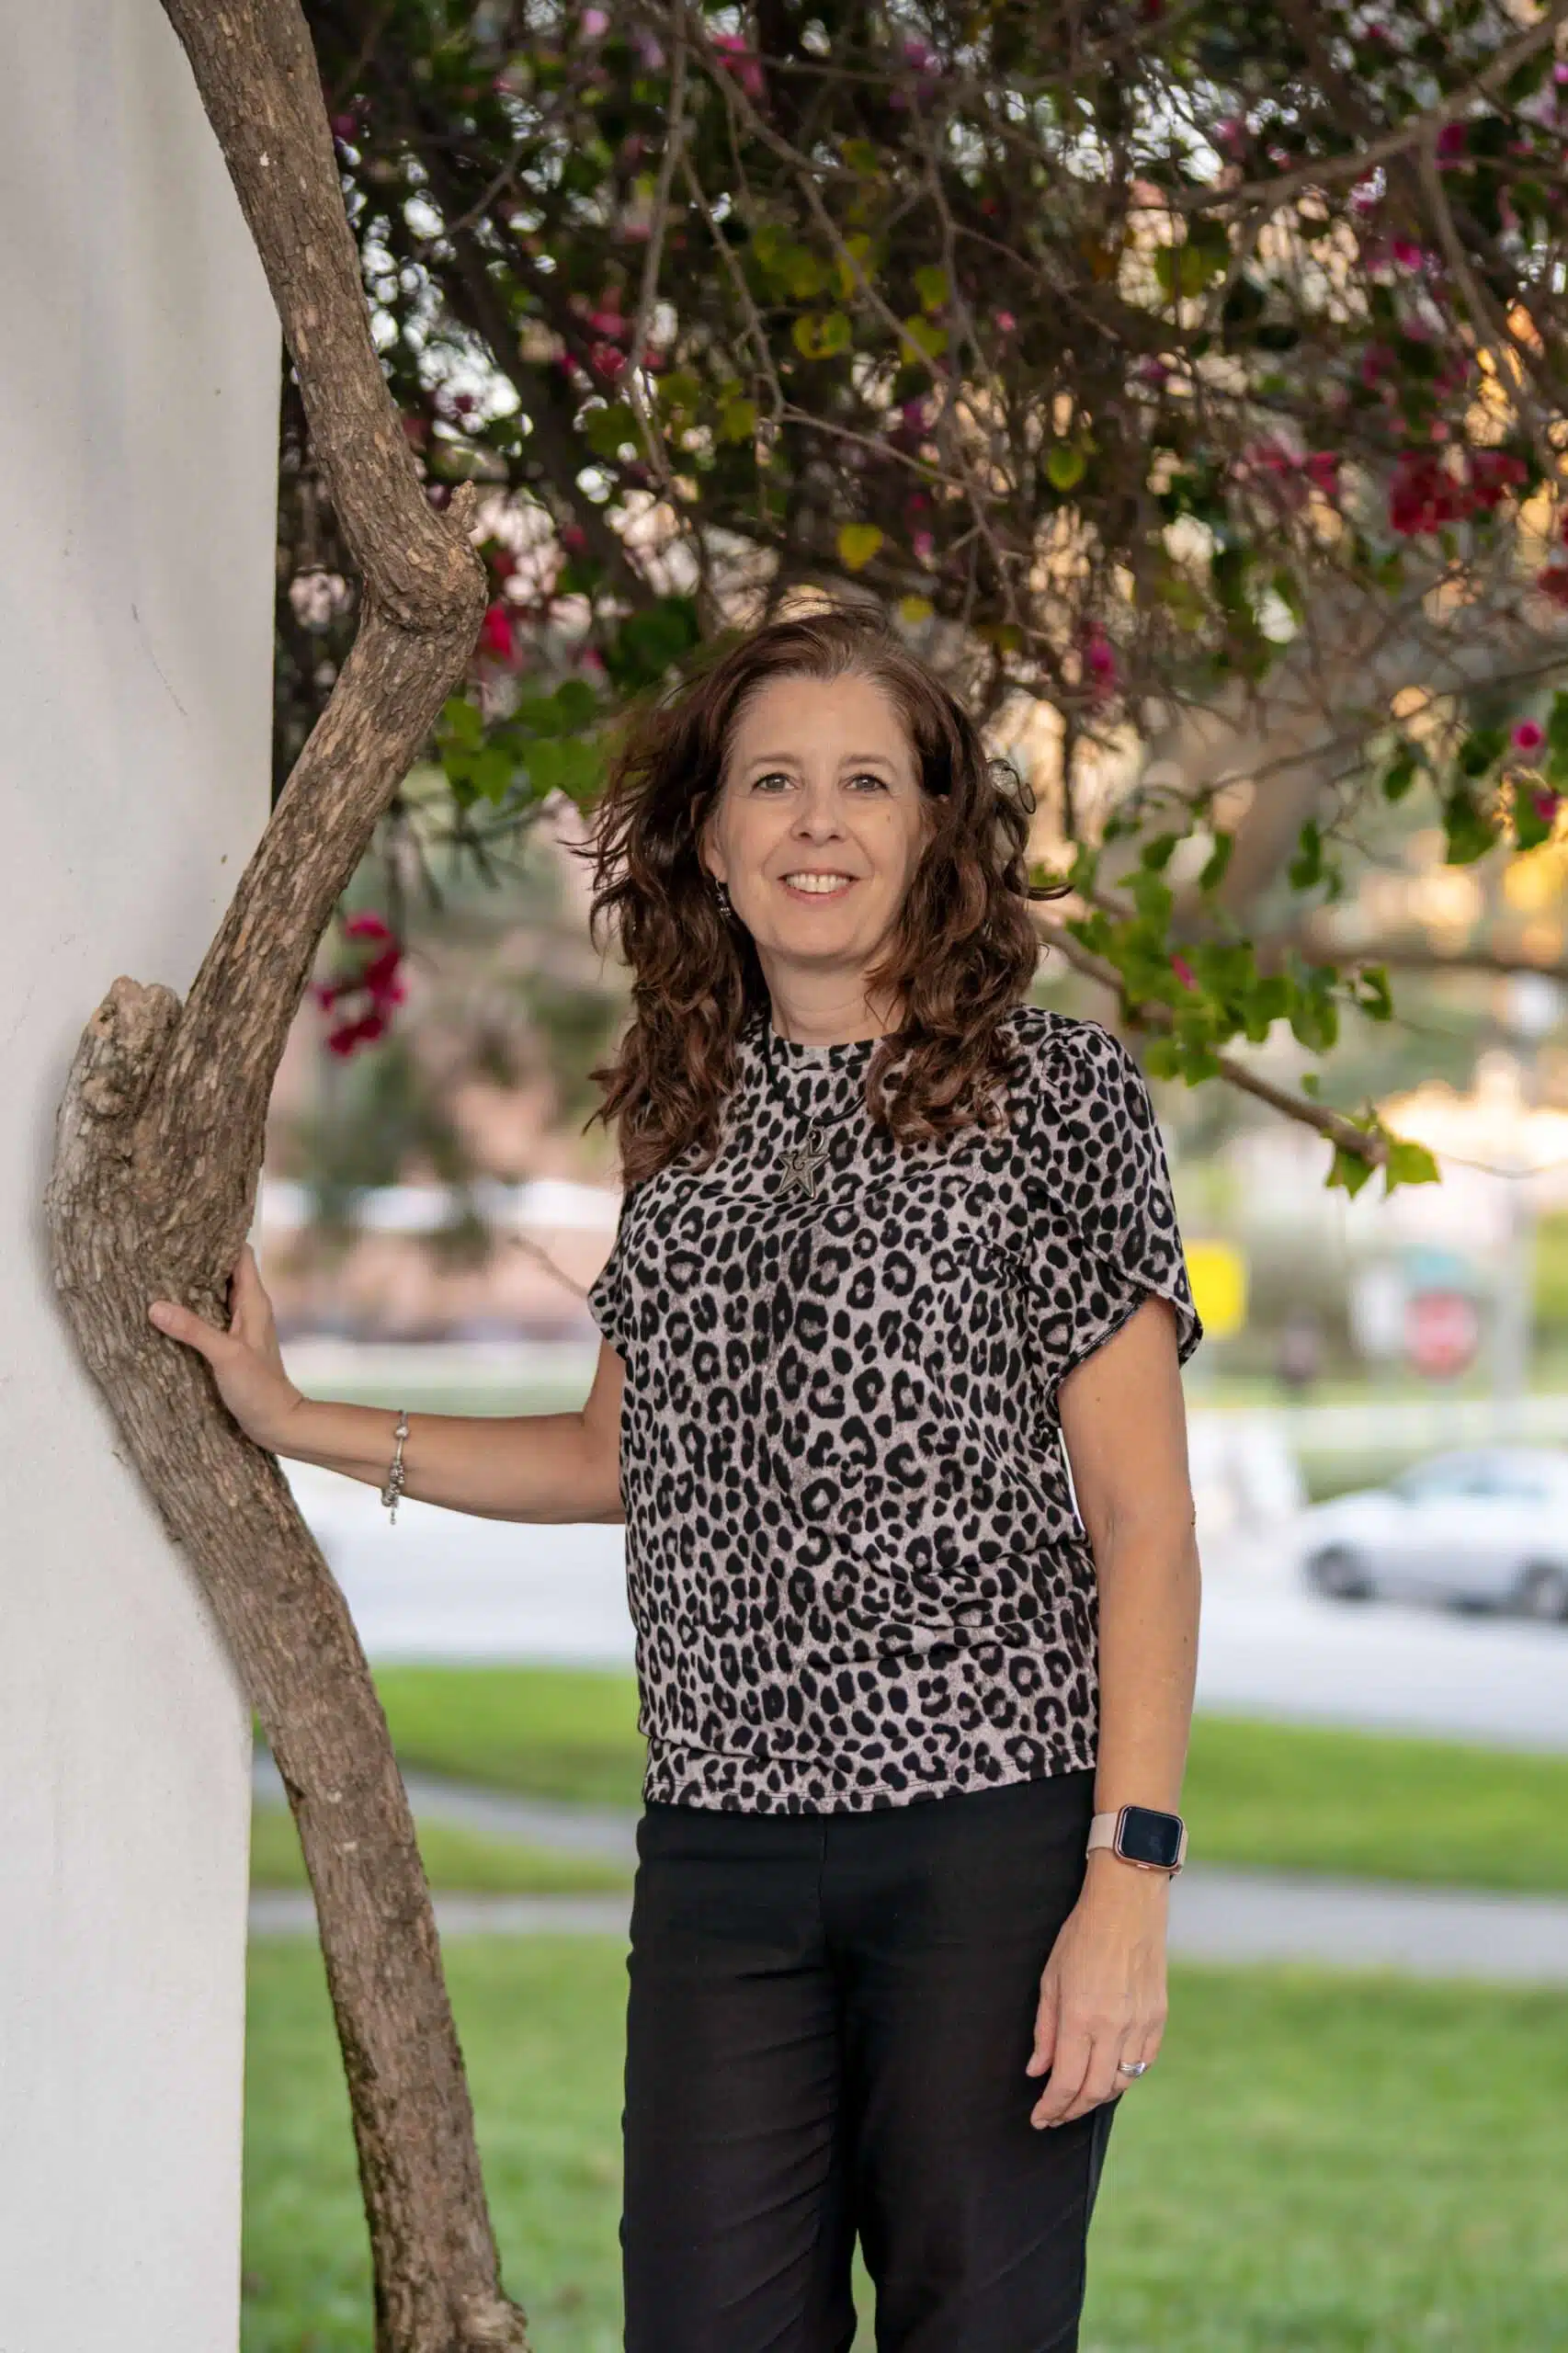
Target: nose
(817, 817)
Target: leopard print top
(856, 1572)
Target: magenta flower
(1184, 972)
(495, 632)
(738, 60)
(1545, 806)
(593, 24)
(1529, 736)
(1453, 141)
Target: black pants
(829, 2020)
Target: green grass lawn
(1317, 2165)
(1368, 1803)
(457, 1860)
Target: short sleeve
(608, 1300)
(1107, 1234)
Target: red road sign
(1442, 1330)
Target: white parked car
(1487, 1527)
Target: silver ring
(1132, 2066)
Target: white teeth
(819, 883)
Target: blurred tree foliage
(1164, 363)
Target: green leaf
(681, 388)
(737, 421)
(1531, 828)
(463, 722)
(821, 335)
(1468, 833)
(1218, 860)
(1400, 774)
(1410, 1164)
(803, 273)
(931, 285)
(925, 336)
(1306, 868)
(858, 543)
(605, 430)
(1482, 750)
(1065, 465)
(1374, 994)
(491, 772)
(1347, 1171)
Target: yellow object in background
(1218, 1273)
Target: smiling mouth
(818, 886)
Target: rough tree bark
(157, 1158)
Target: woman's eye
(868, 776)
(761, 783)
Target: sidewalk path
(1217, 1915)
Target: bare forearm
(543, 1467)
(1149, 1590)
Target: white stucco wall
(138, 394)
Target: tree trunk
(157, 1157)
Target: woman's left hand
(1102, 1995)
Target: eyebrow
(850, 760)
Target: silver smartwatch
(1150, 1841)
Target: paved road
(1216, 1914)
(439, 1585)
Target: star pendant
(801, 1163)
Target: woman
(891, 1237)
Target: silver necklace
(801, 1163)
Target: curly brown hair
(962, 954)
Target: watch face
(1146, 1836)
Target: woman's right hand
(246, 1362)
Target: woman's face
(820, 820)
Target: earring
(722, 898)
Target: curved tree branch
(158, 1154)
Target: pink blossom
(495, 632)
(1184, 972)
(1099, 664)
(366, 927)
(1453, 141)
(737, 59)
(1529, 736)
(925, 546)
(1408, 254)
(1230, 134)
(1545, 805)
(1005, 320)
(593, 24)
(913, 413)
(573, 539)
(1321, 470)
(1553, 584)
